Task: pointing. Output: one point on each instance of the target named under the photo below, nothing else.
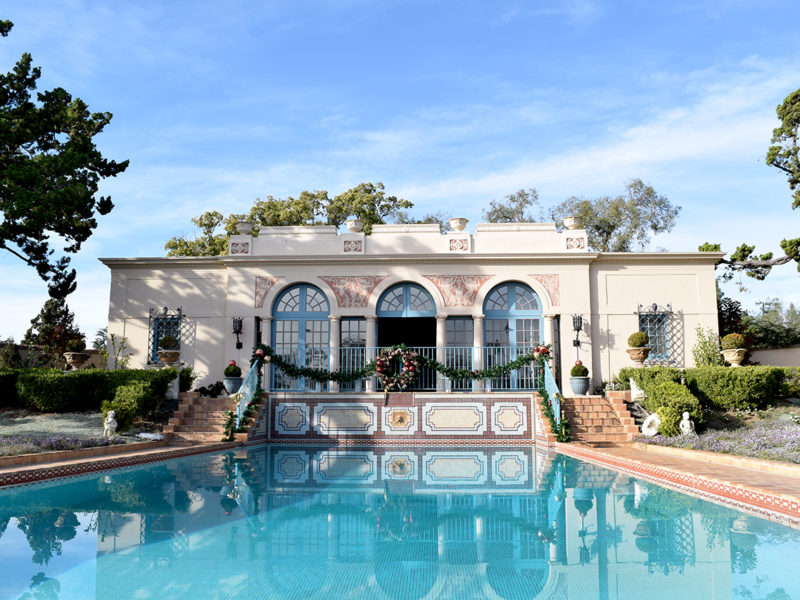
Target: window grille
(163, 322)
(654, 320)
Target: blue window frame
(406, 300)
(512, 326)
(163, 322)
(300, 332)
(655, 325)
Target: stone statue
(687, 425)
(110, 424)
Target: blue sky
(450, 104)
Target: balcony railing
(458, 357)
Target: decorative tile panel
(292, 418)
(352, 243)
(459, 243)
(399, 420)
(459, 290)
(509, 418)
(453, 468)
(509, 468)
(345, 418)
(291, 466)
(263, 286)
(576, 243)
(551, 284)
(332, 466)
(240, 248)
(451, 418)
(352, 291)
(400, 466)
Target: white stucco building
(328, 299)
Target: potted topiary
(169, 349)
(75, 355)
(579, 379)
(233, 377)
(733, 349)
(638, 349)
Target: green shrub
(741, 388)
(8, 389)
(670, 400)
(647, 376)
(186, 379)
(639, 339)
(50, 390)
(233, 370)
(76, 345)
(732, 341)
(790, 386)
(168, 342)
(579, 371)
(128, 404)
(706, 351)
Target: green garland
(265, 353)
(562, 428)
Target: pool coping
(37, 458)
(83, 465)
(783, 508)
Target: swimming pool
(286, 522)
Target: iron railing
(352, 358)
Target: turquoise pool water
(277, 522)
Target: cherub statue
(110, 424)
(687, 425)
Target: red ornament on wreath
(407, 365)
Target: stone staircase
(598, 420)
(197, 419)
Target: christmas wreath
(400, 376)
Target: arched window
(300, 332)
(406, 300)
(512, 326)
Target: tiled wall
(409, 418)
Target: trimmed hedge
(129, 402)
(738, 388)
(50, 390)
(670, 400)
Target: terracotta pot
(169, 356)
(734, 356)
(638, 355)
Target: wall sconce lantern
(577, 325)
(237, 331)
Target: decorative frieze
(352, 291)
(551, 284)
(459, 290)
(240, 248)
(264, 284)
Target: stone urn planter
(168, 357)
(572, 222)
(457, 223)
(354, 225)
(579, 385)
(244, 228)
(75, 359)
(638, 355)
(734, 356)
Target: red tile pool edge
(773, 507)
(71, 470)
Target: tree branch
(746, 264)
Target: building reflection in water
(381, 523)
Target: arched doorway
(512, 326)
(406, 315)
(300, 332)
